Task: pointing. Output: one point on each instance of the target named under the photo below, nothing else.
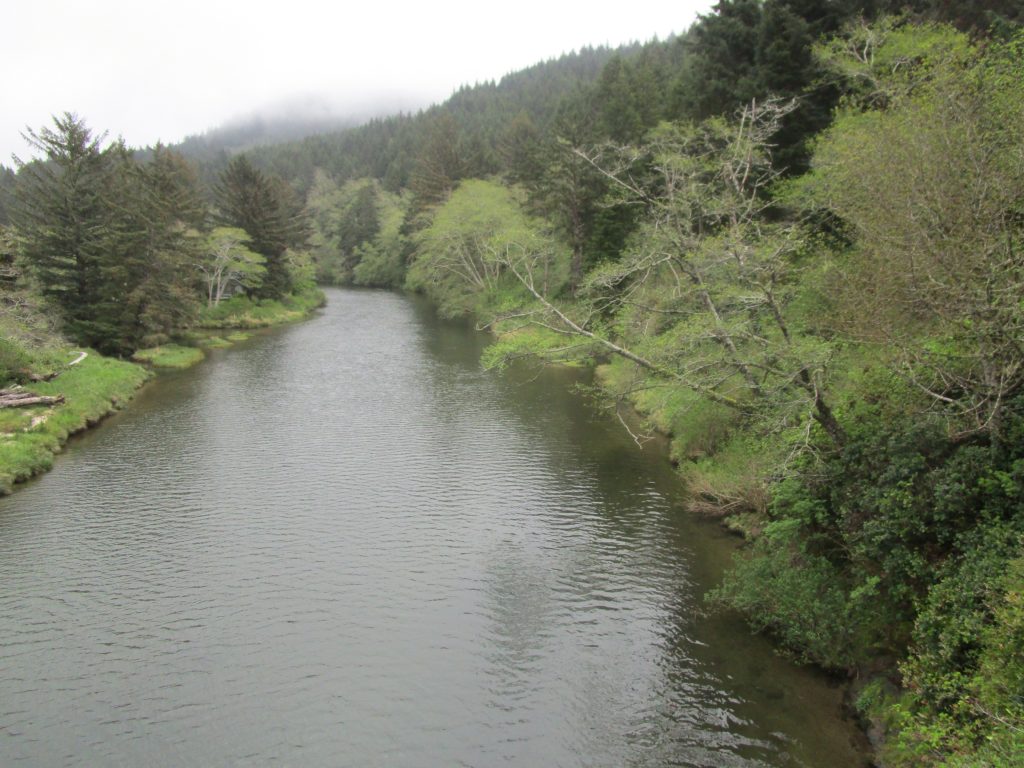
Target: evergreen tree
(518, 149)
(568, 190)
(616, 98)
(7, 183)
(360, 221)
(439, 163)
(59, 210)
(267, 209)
(153, 246)
(721, 66)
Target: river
(343, 543)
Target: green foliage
(885, 60)
(268, 210)
(244, 312)
(357, 232)
(382, 259)
(150, 250)
(13, 360)
(965, 679)
(465, 251)
(930, 189)
(902, 540)
(528, 343)
(60, 215)
(796, 594)
(106, 238)
(227, 265)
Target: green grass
(30, 437)
(92, 389)
(243, 312)
(170, 356)
(215, 342)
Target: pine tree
(721, 68)
(60, 213)
(439, 163)
(568, 189)
(160, 209)
(267, 209)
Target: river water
(343, 543)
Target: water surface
(344, 544)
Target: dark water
(344, 544)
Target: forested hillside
(790, 237)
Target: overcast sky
(155, 69)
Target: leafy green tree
(461, 257)
(228, 264)
(930, 189)
(701, 295)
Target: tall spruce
(267, 209)
(60, 213)
(154, 212)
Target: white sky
(155, 69)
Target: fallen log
(19, 398)
(27, 375)
(43, 376)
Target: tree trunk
(17, 398)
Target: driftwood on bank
(43, 376)
(37, 377)
(17, 398)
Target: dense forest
(790, 237)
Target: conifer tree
(155, 210)
(60, 214)
(267, 209)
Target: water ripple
(344, 544)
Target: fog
(163, 71)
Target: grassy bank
(174, 356)
(891, 557)
(97, 386)
(243, 312)
(30, 437)
(234, 314)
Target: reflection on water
(343, 543)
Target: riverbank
(889, 554)
(30, 438)
(237, 314)
(732, 465)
